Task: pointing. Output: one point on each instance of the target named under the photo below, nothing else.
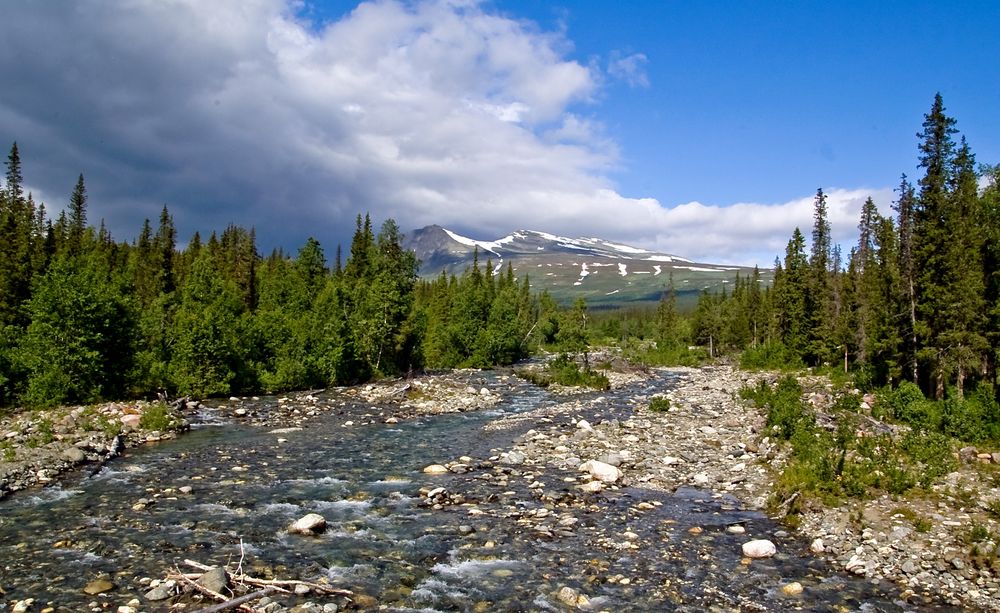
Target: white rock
(591, 487)
(736, 529)
(313, 523)
(671, 460)
(583, 424)
(760, 548)
(817, 546)
(436, 469)
(599, 470)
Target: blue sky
(701, 129)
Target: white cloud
(629, 68)
(438, 111)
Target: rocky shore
(37, 446)
(937, 547)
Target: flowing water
(129, 520)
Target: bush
(660, 404)
(770, 356)
(156, 417)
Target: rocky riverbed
(665, 504)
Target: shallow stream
(129, 520)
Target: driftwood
(266, 587)
(237, 602)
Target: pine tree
(77, 218)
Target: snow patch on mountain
(622, 269)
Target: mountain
(606, 273)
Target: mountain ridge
(603, 272)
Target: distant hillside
(605, 273)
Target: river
(130, 521)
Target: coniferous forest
(916, 302)
(84, 318)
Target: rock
(591, 487)
(184, 489)
(583, 424)
(568, 596)
(309, 525)
(792, 589)
(817, 546)
(613, 458)
(435, 469)
(968, 454)
(670, 460)
(74, 455)
(760, 548)
(23, 606)
(98, 586)
(736, 529)
(514, 457)
(131, 421)
(216, 580)
(599, 470)
(160, 592)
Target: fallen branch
(237, 602)
(211, 593)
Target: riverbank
(937, 546)
(38, 446)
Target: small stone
(817, 546)
(215, 579)
(591, 487)
(23, 606)
(310, 524)
(514, 457)
(184, 489)
(98, 586)
(160, 592)
(583, 424)
(74, 455)
(436, 469)
(792, 589)
(736, 529)
(760, 548)
(568, 596)
(599, 470)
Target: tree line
(84, 317)
(917, 299)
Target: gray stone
(310, 524)
(160, 592)
(215, 580)
(74, 455)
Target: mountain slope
(603, 272)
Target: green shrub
(770, 356)
(156, 417)
(660, 404)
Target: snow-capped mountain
(602, 271)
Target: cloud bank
(241, 111)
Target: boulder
(310, 525)
(760, 548)
(435, 469)
(792, 589)
(601, 471)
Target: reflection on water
(131, 520)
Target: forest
(85, 317)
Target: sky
(701, 129)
